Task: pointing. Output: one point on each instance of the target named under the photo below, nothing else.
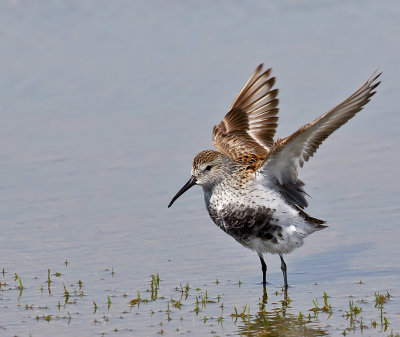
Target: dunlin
(250, 184)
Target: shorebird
(251, 186)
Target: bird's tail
(318, 223)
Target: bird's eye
(208, 168)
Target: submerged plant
(327, 307)
(380, 300)
(154, 285)
(17, 278)
(66, 293)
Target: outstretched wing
(289, 153)
(249, 127)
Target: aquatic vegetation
(154, 286)
(17, 278)
(66, 294)
(380, 300)
(327, 307)
(48, 281)
(173, 309)
(352, 313)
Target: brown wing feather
(250, 125)
(289, 153)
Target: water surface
(103, 106)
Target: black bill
(189, 184)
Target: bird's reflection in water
(277, 319)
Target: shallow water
(103, 106)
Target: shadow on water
(335, 264)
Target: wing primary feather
(250, 124)
(287, 154)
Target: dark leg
(283, 268)
(264, 269)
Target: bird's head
(209, 168)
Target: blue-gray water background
(103, 105)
